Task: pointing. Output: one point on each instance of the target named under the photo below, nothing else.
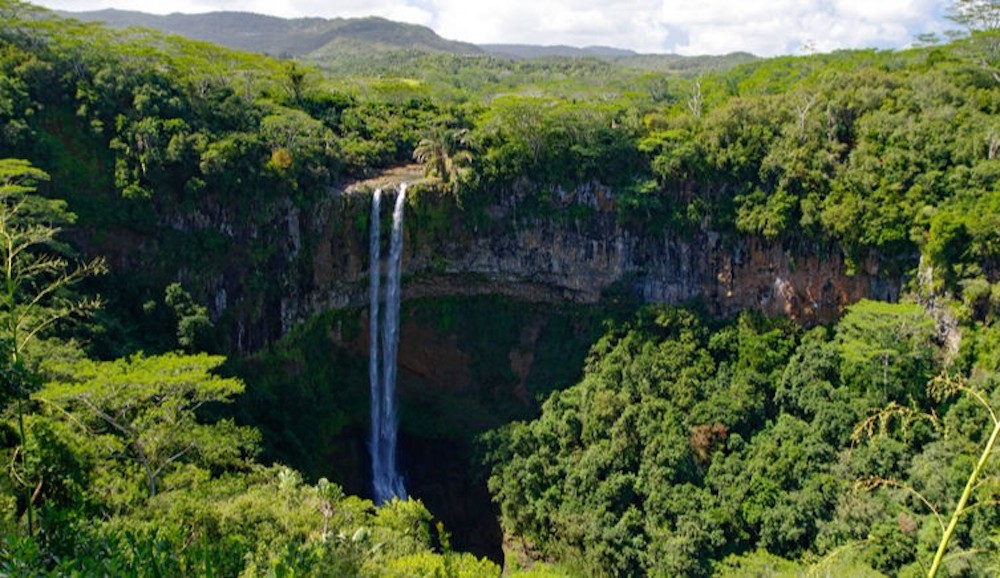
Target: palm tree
(444, 153)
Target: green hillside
(349, 44)
(298, 37)
(185, 229)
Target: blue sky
(763, 27)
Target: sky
(762, 27)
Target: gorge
(526, 296)
(640, 321)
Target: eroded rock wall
(543, 258)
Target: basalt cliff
(579, 252)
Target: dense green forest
(147, 431)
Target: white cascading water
(383, 344)
(374, 291)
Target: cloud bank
(763, 27)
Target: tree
(193, 322)
(887, 350)
(37, 282)
(298, 135)
(144, 411)
(982, 19)
(444, 154)
(696, 100)
(37, 273)
(978, 15)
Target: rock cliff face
(575, 259)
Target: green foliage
(144, 411)
(192, 319)
(557, 142)
(763, 564)
(613, 473)
(740, 450)
(685, 448)
(135, 480)
(962, 240)
(266, 522)
(304, 393)
(442, 151)
(38, 292)
(867, 153)
(782, 483)
(760, 563)
(887, 350)
(981, 18)
(38, 276)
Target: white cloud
(629, 23)
(764, 27)
(709, 12)
(881, 10)
(785, 26)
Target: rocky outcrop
(280, 263)
(580, 259)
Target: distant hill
(686, 64)
(296, 37)
(629, 58)
(337, 39)
(527, 51)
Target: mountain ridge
(316, 37)
(293, 37)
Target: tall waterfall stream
(383, 345)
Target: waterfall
(383, 342)
(374, 291)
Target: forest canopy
(681, 445)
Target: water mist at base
(383, 344)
